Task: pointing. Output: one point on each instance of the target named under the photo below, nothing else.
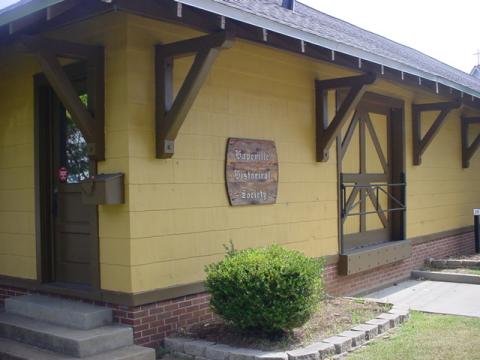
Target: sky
(4, 3)
(445, 30)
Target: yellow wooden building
(375, 142)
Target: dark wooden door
(74, 224)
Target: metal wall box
(104, 189)
(370, 257)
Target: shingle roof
(14, 5)
(343, 36)
(476, 72)
(23, 8)
(316, 22)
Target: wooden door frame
(396, 107)
(43, 106)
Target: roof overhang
(229, 11)
(18, 10)
(26, 8)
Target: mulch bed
(334, 316)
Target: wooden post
(90, 121)
(468, 150)
(326, 134)
(420, 144)
(171, 113)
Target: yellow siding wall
(441, 195)
(176, 218)
(17, 205)
(180, 216)
(17, 218)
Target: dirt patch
(334, 316)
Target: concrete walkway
(433, 296)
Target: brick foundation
(7, 291)
(362, 282)
(153, 322)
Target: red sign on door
(63, 174)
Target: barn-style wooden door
(371, 177)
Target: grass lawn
(475, 271)
(459, 271)
(427, 337)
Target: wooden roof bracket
(90, 120)
(171, 113)
(420, 144)
(325, 132)
(469, 150)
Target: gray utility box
(104, 189)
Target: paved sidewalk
(433, 296)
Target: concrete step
(59, 311)
(12, 350)
(73, 342)
(446, 277)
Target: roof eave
(221, 9)
(24, 10)
(271, 25)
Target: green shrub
(267, 290)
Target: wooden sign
(251, 172)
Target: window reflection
(76, 154)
